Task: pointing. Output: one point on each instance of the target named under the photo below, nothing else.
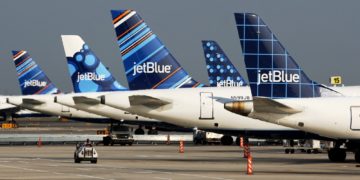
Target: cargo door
(355, 118)
(206, 105)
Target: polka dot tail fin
(87, 72)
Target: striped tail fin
(87, 72)
(31, 78)
(221, 71)
(148, 63)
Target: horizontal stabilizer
(148, 101)
(267, 105)
(85, 100)
(32, 101)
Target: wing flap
(85, 100)
(267, 105)
(147, 101)
(32, 101)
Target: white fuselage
(100, 109)
(194, 107)
(348, 91)
(50, 108)
(333, 117)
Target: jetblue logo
(151, 67)
(278, 77)
(90, 76)
(229, 83)
(35, 83)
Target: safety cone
(181, 146)
(246, 151)
(39, 142)
(241, 142)
(168, 139)
(249, 165)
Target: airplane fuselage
(333, 117)
(193, 107)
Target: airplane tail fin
(220, 69)
(87, 72)
(31, 78)
(272, 72)
(148, 63)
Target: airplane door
(355, 118)
(206, 105)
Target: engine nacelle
(243, 108)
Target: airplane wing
(9, 108)
(267, 105)
(147, 101)
(85, 100)
(32, 101)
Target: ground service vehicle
(204, 137)
(119, 135)
(85, 152)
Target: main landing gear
(338, 154)
(139, 131)
(226, 140)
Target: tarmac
(164, 162)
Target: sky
(320, 35)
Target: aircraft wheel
(292, 151)
(139, 131)
(357, 156)
(287, 151)
(226, 140)
(106, 140)
(337, 155)
(237, 141)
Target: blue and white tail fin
(148, 63)
(32, 79)
(221, 72)
(272, 72)
(87, 72)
